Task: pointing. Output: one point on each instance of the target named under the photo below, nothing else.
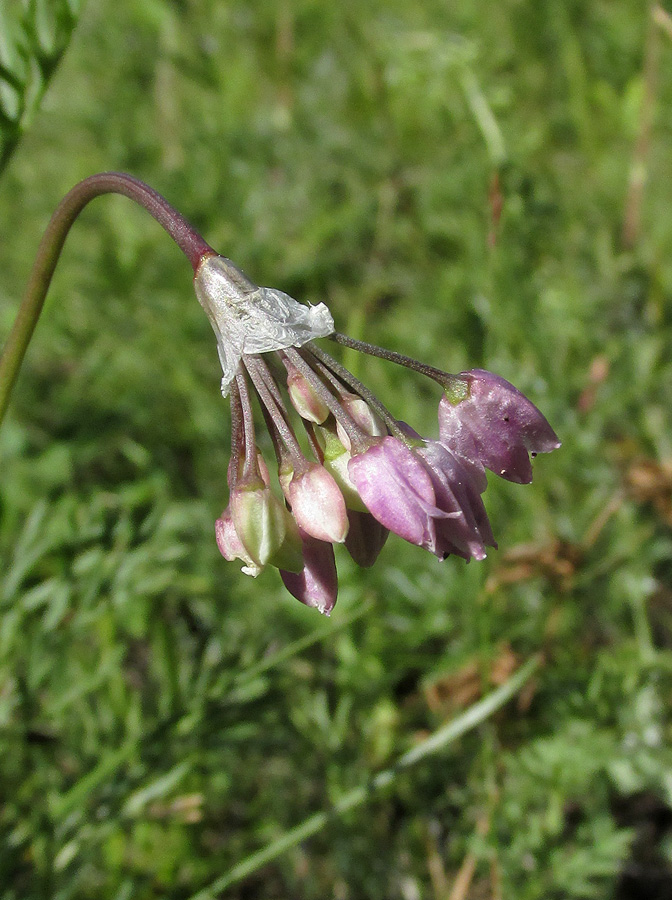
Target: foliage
(34, 34)
(161, 716)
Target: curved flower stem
(443, 737)
(272, 386)
(237, 436)
(188, 240)
(250, 465)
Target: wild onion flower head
(353, 473)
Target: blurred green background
(357, 154)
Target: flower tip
(553, 444)
(494, 424)
(299, 588)
(317, 584)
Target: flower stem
(237, 436)
(330, 364)
(255, 367)
(250, 465)
(188, 240)
(443, 737)
(443, 378)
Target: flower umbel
(355, 473)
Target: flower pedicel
(362, 473)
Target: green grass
(162, 717)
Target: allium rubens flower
(488, 421)
(353, 473)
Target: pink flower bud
(318, 505)
(259, 520)
(230, 545)
(364, 416)
(304, 399)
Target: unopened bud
(318, 505)
(304, 399)
(230, 545)
(259, 520)
(363, 415)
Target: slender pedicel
(356, 385)
(277, 414)
(250, 466)
(392, 356)
(237, 437)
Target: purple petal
(396, 489)
(366, 538)
(457, 487)
(495, 425)
(317, 584)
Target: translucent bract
(251, 319)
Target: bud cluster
(353, 473)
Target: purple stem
(188, 240)
(237, 439)
(255, 367)
(251, 467)
(443, 378)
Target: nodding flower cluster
(358, 473)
